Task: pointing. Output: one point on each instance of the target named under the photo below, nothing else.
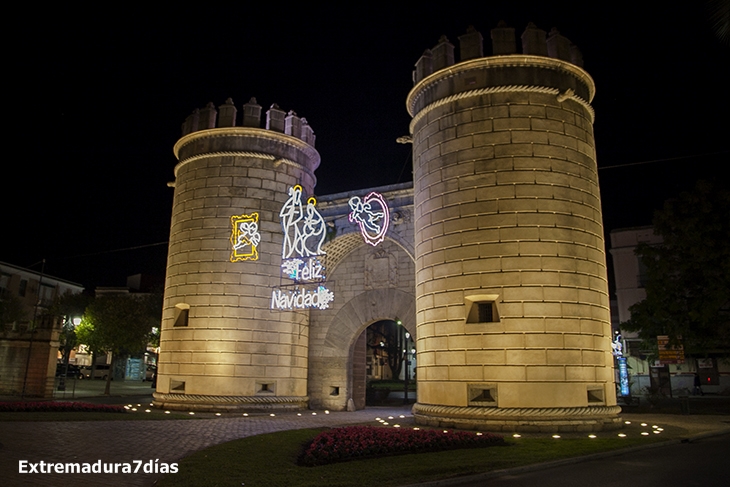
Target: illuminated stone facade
(221, 345)
(511, 288)
(370, 284)
(493, 259)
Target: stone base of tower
(536, 420)
(205, 403)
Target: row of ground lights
(131, 407)
(391, 418)
(654, 428)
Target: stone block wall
(511, 287)
(221, 345)
(42, 344)
(370, 284)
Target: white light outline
(304, 229)
(309, 270)
(302, 298)
(371, 230)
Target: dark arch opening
(384, 364)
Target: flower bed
(354, 442)
(58, 407)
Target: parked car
(150, 372)
(73, 371)
(101, 371)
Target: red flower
(341, 444)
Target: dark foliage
(688, 275)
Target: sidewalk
(708, 414)
(85, 388)
(93, 391)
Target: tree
(68, 306)
(389, 336)
(688, 275)
(119, 324)
(85, 335)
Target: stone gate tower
(222, 347)
(511, 288)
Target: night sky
(96, 100)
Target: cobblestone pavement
(125, 441)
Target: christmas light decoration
(372, 216)
(304, 228)
(245, 237)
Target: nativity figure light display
(301, 253)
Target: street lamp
(68, 329)
(406, 372)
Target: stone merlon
(534, 41)
(277, 120)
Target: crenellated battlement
(277, 120)
(534, 42)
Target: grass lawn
(270, 460)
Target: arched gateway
(371, 283)
(493, 259)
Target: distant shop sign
(668, 354)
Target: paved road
(697, 463)
(125, 441)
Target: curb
(456, 481)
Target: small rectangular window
(266, 388)
(4, 281)
(485, 312)
(482, 312)
(595, 395)
(23, 287)
(46, 294)
(483, 395)
(182, 311)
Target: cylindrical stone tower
(511, 288)
(221, 346)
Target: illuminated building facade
(493, 260)
(511, 287)
(221, 345)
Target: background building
(646, 371)
(29, 337)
